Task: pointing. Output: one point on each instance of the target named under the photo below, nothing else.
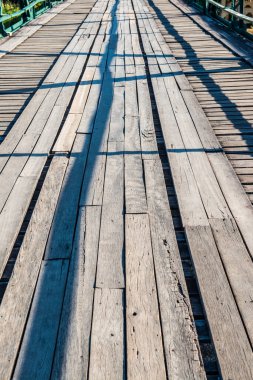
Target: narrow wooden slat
(107, 342)
(37, 349)
(66, 138)
(233, 350)
(238, 201)
(111, 249)
(61, 235)
(145, 356)
(135, 196)
(238, 264)
(72, 351)
(179, 335)
(16, 303)
(92, 190)
(12, 216)
(147, 131)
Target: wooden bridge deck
(117, 191)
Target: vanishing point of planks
(97, 289)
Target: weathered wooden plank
(37, 159)
(117, 114)
(238, 264)
(71, 357)
(233, 350)
(205, 131)
(81, 95)
(37, 348)
(193, 213)
(93, 182)
(111, 242)
(11, 141)
(107, 339)
(236, 198)
(67, 135)
(14, 166)
(145, 356)
(90, 110)
(147, 130)
(181, 348)
(61, 235)
(135, 195)
(17, 299)
(12, 216)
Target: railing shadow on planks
(197, 66)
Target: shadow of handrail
(216, 91)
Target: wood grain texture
(107, 342)
(37, 348)
(61, 235)
(17, 299)
(237, 261)
(233, 351)
(179, 335)
(145, 355)
(71, 356)
(111, 242)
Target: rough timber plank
(147, 130)
(67, 135)
(179, 336)
(61, 235)
(135, 196)
(93, 183)
(89, 113)
(145, 355)
(233, 350)
(37, 348)
(111, 242)
(237, 200)
(16, 303)
(107, 339)
(239, 268)
(72, 351)
(12, 216)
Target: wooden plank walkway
(97, 288)
(219, 77)
(29, 54)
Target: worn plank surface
(213, 60)
(117, 198)
(27, 56)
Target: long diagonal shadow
(119, 79)
(216, 90)
(65, 219)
